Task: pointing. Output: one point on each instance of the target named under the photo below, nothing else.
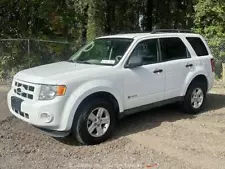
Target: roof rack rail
(171, 31)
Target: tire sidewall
(81, 125)
(187, 101)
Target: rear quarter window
(198, 46)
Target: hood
(56, 72)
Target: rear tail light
(213, 65)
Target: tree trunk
(85, 25)
(148, 16)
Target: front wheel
(94, 122)
(195, 97)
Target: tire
(84, 119)
(194, 108)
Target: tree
(80, 21)
(210, 22)
(210, 17)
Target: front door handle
(158, 71)
(189, 65)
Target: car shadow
(214, 102)
(170, 113)
(148, 120)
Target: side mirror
(134, 62)
(133, 65)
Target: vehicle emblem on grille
(21, 90)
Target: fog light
(47, 118)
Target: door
(203, 55)
(144, 84)
(178, 64)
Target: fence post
(28, 49)
(223, 69)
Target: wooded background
(79, 21)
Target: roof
(143, 35)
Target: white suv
(111, 77)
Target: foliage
(210, 22)
(22, 54)
(78, 21)
(210, 17)
(68, 19)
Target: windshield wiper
(85, 62)
(71, 61)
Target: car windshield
(102, 51)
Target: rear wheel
(94, 122)
(195, 97)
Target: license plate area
(16, 105)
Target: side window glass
(145, 52)
(173, 48)
(198, 46)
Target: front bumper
(54, 133)
(32, 111)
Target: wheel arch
(104, 95)
(200, 78)
(79, 96)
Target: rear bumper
(211, 82)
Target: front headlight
(49, 92)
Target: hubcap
(197, 98)
(98, 122)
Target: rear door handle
(189, 65)
(158, 71)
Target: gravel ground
(161, 138)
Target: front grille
(22, 114)
(24, 90)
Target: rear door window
(198, 46)
(173, 48)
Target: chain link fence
(18, 54)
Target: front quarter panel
(84, 90)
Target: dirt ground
(162, 138)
